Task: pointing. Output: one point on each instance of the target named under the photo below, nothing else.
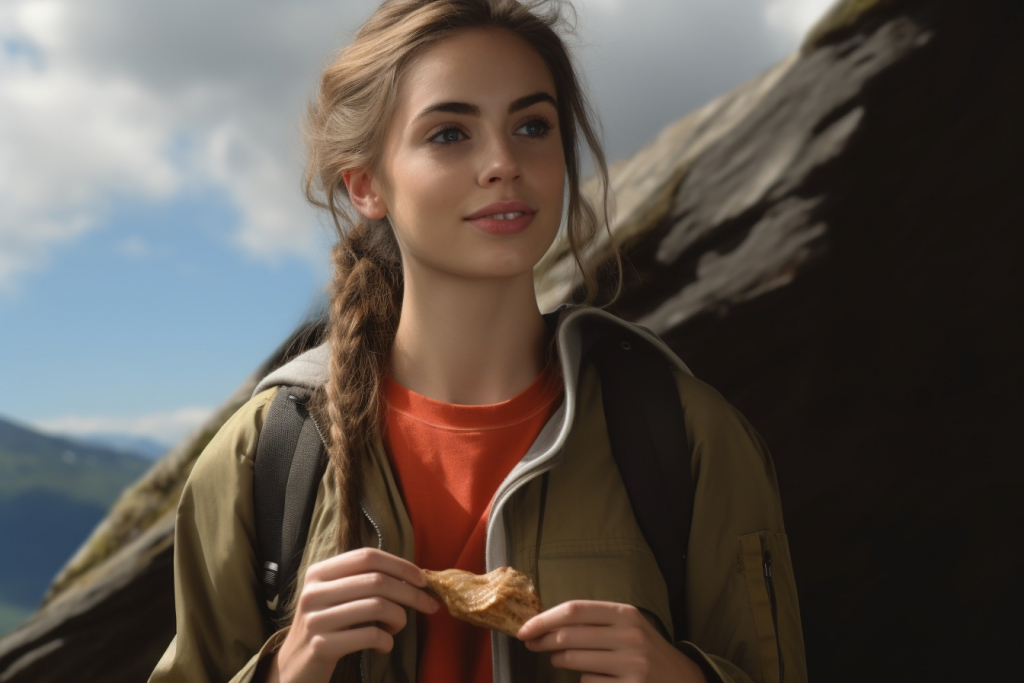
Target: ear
(364, 193)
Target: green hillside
(31, 461)
(53, 492)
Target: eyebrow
(473, 110)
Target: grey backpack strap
(290, 462)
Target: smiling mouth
(509, 223)
(505, 216)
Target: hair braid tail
(365, 305)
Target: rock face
(842, 261)
(835, 247)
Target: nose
(499, 163)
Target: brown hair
(346, 127)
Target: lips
(503, 218)
(503, 210)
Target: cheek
(549, 170)
(428, 193)
(549, 160)
(550, 183)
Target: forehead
(478, 66)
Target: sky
(155, 246)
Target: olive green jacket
(744, 621)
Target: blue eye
(537, 128)
(447, 136)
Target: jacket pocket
(757, 551)
(610, 570)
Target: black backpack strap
(648, 437)
(290, 463)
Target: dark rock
(112, 630)
(842, 262)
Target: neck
(470, 342)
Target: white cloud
(166, 427)
(70, 140)
(41, 20)
(115, 100)
(119, 99)
(276, 219)
(792, 18)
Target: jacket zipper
(376, 527)
(769, 585)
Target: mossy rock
(843, 18)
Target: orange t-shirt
(449, 460)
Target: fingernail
(435, 604)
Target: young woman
(462, 429)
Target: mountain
(126, 443)
(53, 491)
(835, 246)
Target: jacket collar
(310, 369)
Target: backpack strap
(290, 462)
(644, 415)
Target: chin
(511, 264)
(487, 261)
(493, 269)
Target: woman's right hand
(350, 602)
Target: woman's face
(475, 133)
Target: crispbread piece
(502, 600)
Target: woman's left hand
(607, 639)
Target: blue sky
(154, 244)
(166, 317)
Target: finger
(322, 595)
(341, 617)
(603, 662)
(331, 647)
(366, 560)
(576, 613)
(588, 638)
